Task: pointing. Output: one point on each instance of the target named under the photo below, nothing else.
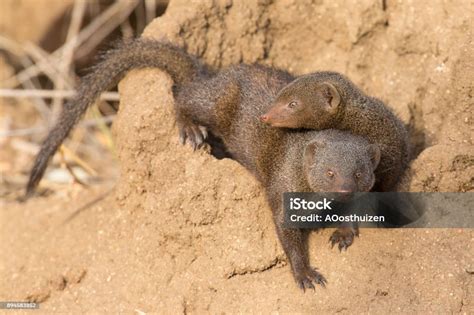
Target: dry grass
(59, 67)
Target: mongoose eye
(292, 104)
(330, 174)
(358, 175)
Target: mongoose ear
(374, 153)
(332, 95)
(310, 151)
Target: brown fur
(324, 100)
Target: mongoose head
(304, 103)
(344, 166)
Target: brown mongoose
(227, 105)
(324, 100)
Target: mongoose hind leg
(344, 236)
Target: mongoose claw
(344, 237)
(182, 136)
(308, 278)
(194, 134)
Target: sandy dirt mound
(184, 232)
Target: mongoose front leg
(294, 245)
(344, 236)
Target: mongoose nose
(264, 118)
(344, 191)
(344, 195)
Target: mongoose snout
(284, 114)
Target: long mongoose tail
(140, 53)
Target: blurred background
(45, 46)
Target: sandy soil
(183, 232)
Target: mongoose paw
(308, 277)
(344, 237)
(194, 134)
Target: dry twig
(69, 168)
(66, 61)
(33, 130)
(92, 35)
(30, 83)
(150, 7)
(121, 8)
(78, 160)
(47, 66)
(37, 93)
